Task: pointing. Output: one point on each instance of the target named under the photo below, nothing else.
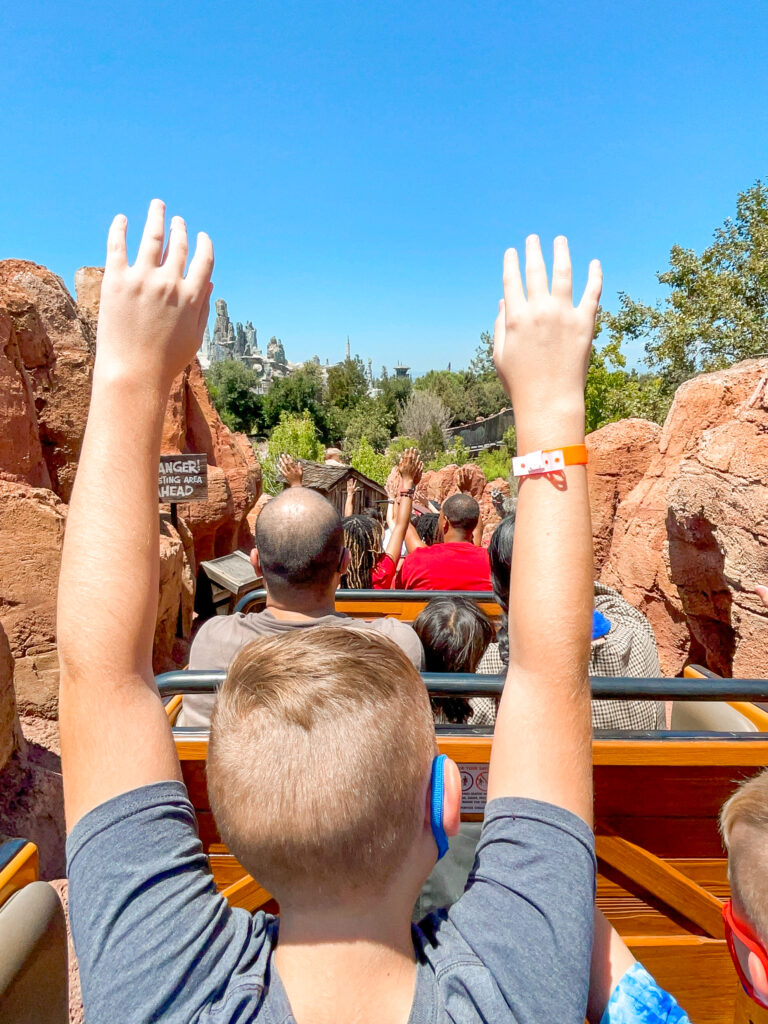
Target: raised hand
(464, 479)
(291, 470)
(762, 593)
(411, 468)
(352, 487)
(152, 317)
(542, 342)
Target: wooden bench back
(394, 604)
(662, 869)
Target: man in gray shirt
(300, 553)
(322, 766)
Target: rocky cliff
(47, 346)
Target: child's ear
(451, 798)
(758, 977)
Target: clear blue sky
(361, 166)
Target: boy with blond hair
(323, 772)
(744, 827)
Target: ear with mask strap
(437, 793)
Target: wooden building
(331, 482)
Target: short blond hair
(319, 758)
(744, 828)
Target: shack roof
(323, 477)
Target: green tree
(393, 393)
(716, 312)
(302, 390)
(369, 419)
(346, 383)
(297, 436)
(233, 390)
(365, 459)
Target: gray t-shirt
(155, 941)
(221, 637)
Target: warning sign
(474, 787)
(183, 478)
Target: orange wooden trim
(22, 870)
(663, 881)
(756, 715)
(173, 707)
(246, 893)
(747, 753)
(662, 942)
(694, 753)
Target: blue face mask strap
(437, 787)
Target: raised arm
(114, 732)
(291, 471)
(464, 483)
(349, 503)
(542, 741)
(410, 474)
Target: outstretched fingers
(591, 297)
(117, 254)
(151, 248)
(535, 270)
(178, 247)
(562, 286)
(201, 267)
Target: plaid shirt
(629, 650)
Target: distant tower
(401, 371)
(449, 367)
(348, 356)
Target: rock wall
(9, 723)
(619, 455)
(47, 346)
(692, 536)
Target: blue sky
(362, 166)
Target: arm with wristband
(542, 743)
(411, 469)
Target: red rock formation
(58, 355)
(47, 347)
(619, 455)
(31, 533)
(9, 723)
(489, 512)
(694, 531)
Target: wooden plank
(747, 753)
(746, 1010)
(665, 883)
(697, 971)
(246, 893)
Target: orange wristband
(553, 460)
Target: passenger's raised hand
(542, 342)
(291, 470)
(464, 479)
(152, 317)
(410, 467)
(762, 593)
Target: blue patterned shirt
(637, 999)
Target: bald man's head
(299, 538)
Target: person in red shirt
(457, 563)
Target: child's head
(319, 764)
(427, 527)
(744, 826)
(455, 634)
(363, 536)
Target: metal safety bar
(446, 684)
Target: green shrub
(365, 459)
(297, 436)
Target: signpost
(182, 478)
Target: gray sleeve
(404, 636)
(154, 940)
(527, 910)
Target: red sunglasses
(735, 929)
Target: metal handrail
(445, 684)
